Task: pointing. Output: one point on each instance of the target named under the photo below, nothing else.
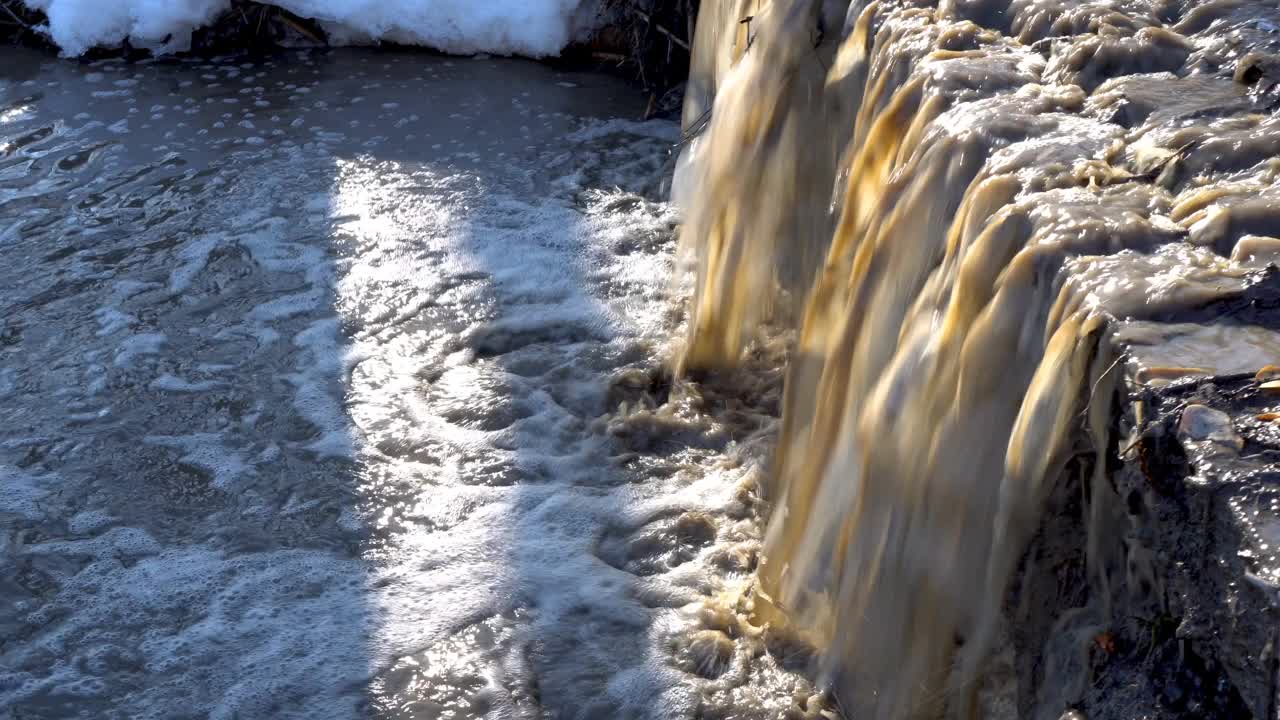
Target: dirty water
(964, 215)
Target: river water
(330, 387)
(340, 384)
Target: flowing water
(330, 386)
(336, 384)
(948, 212)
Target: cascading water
(997, 187)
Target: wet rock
(1267, 374)
(1180, 544)
(1208, 430)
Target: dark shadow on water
(180, 535)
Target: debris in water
(1268, 374)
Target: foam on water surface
(366, 419)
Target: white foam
(119, 541)
(8, 381)
(124, 289)
(137, 346)
(325, 365)
(452, 337)
(21, 493)
(89, 521)
(194, 256)
(111, 321)
(278, 634)
(173, 383)
(206, 451)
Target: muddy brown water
(982, 221)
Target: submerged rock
(1208, 430)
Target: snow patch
(162, 25)
(534, 28)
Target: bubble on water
(138, 346)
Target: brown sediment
(999, 189)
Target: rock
(1268, 373)
(1172, 553)
(1208, 430)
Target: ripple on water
(313, 407)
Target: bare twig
(609, 57)
(1094, 390)
(690, 22)
(5, 6)
(671, 35)
(658, 26)
(303, 29)
(648, 111)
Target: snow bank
(535, 28)
(78, 25)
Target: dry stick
(670, 35)
(658, 26)
(1094, 390)
(12, 14)
(690, 23)
(302, 29)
